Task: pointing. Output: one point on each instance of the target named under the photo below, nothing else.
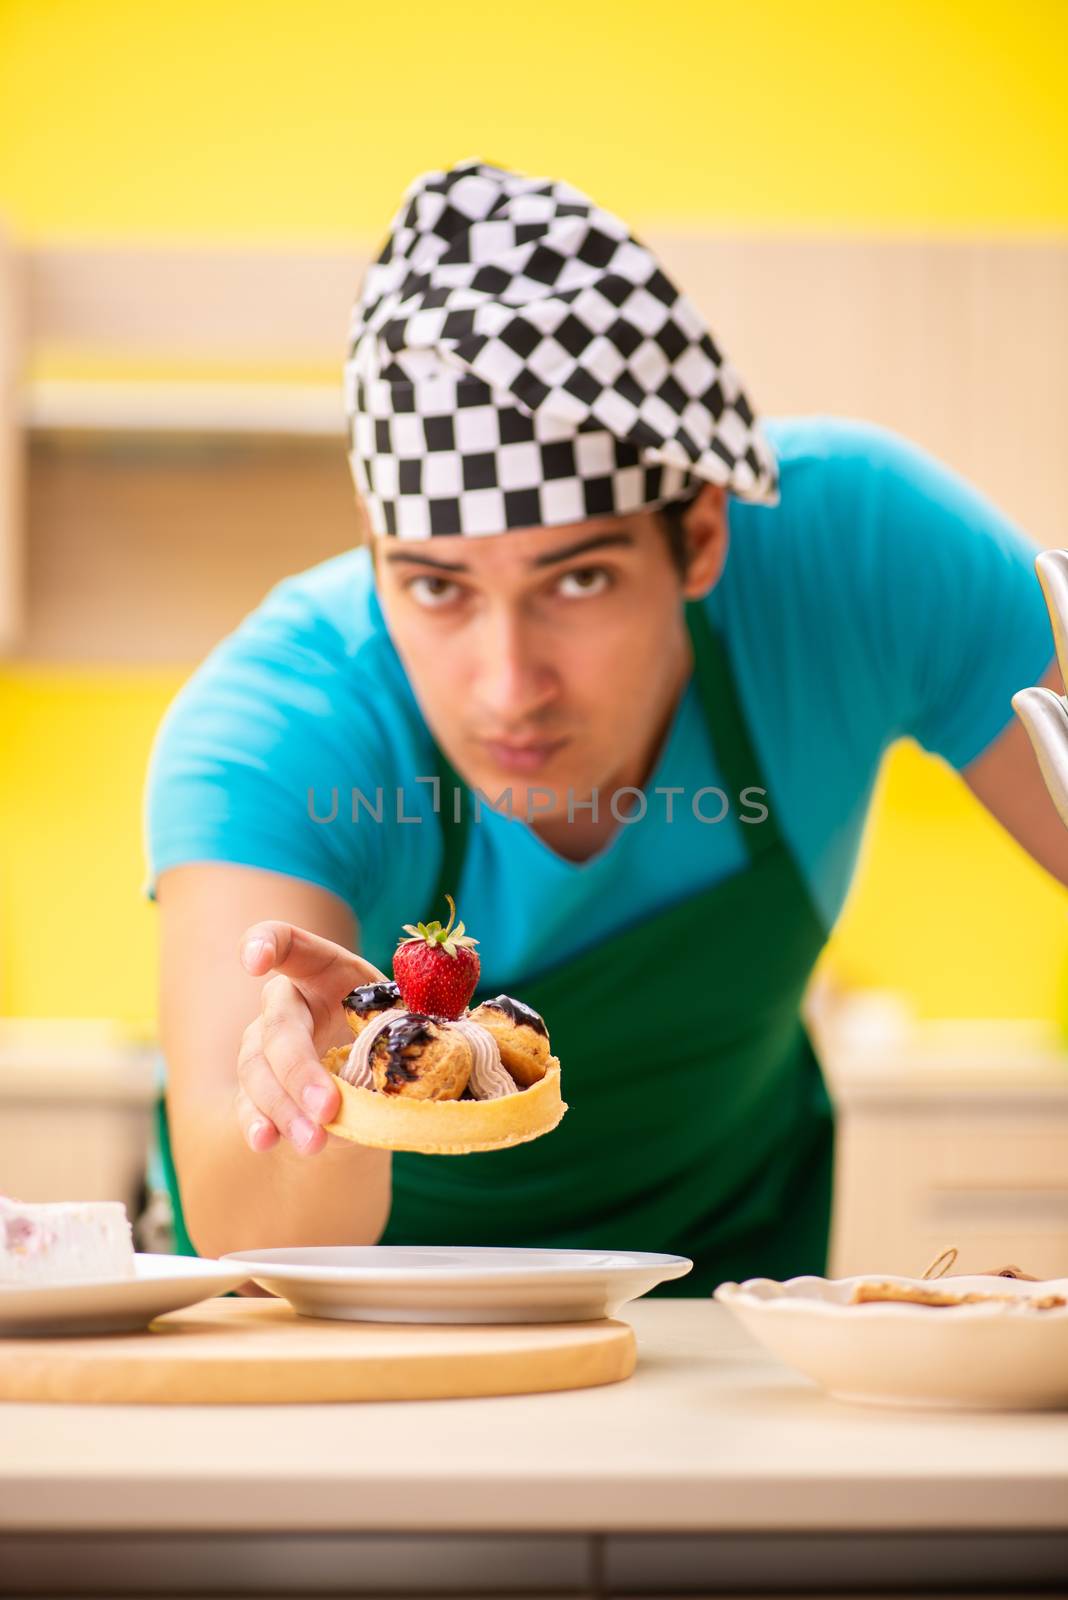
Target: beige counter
(710, 1433)
(711, 1457)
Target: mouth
(524, 756)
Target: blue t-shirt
(882, 597)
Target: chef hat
(516, 359)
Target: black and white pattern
(517, 359)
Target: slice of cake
(63, 1242)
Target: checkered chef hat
(516, 359)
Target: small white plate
(994, 1356)
(413, 1283)
(115, 1305)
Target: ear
(707, 540)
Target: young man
(616, 668)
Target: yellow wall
(298, 123)
(946, 906)
(76, 937)
(259, 119)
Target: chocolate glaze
(398, 1037)
(519, 1013)
(372, 997)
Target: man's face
(546, 657)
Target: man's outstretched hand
(283, 1090)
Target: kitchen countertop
(711, 1439)
(709, 1433)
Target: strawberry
(436, 969)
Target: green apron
(699, 1122)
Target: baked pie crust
(449, 1127)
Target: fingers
(280, 1076)
(260, 1132)
(305, 957)
(284, 1091)
(325, 971)
(289, 1046)
(268, 1103)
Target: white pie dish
(989, 1356)
(115, 1305)
(413, 1283)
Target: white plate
(115, 1305)
(999, 1356)
(413, 1283)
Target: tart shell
(449, 1127)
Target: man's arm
(1006, 778)
(236, 1197)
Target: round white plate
(115, 1305)
(413, 1283)
(1000, 1356)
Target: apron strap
(736, 755)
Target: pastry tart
(425, 1073)
(449, 1127)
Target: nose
(514, 675)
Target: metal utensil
(1043, 713)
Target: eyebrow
(596, 541)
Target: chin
(495, 783)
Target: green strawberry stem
(432, 933)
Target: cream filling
(357, 1068)
(489, 1079)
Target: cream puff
(520, 1035)
(423, 1059)
(335, 1059)
(369, 1001)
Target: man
(615, 668)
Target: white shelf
(110, 406)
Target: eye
(433, 592)
(582, 582)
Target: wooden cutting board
(259, 1352)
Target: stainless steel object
(1043, 713)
